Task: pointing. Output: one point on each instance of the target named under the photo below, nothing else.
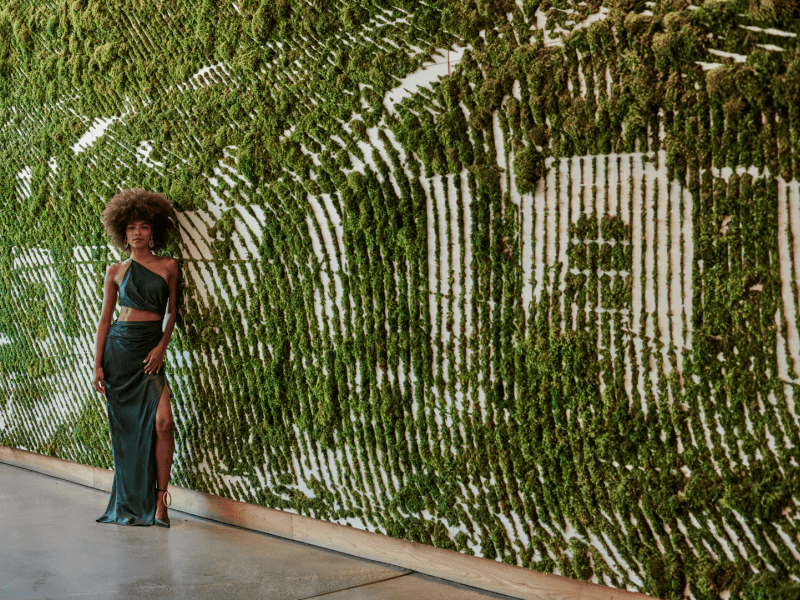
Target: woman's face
(138, 233)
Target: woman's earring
(150, 243)
(126, 244)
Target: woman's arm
(155, 358)
(109, 302)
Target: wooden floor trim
(477, 572)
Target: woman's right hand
(99, 380)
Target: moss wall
(542, 308)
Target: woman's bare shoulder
(115, 269)
(170, 263)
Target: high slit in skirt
(132, 399)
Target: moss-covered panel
(542, 309)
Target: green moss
(354, 405)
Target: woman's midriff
(126, 313)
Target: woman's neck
(141, 254)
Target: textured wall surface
(516, 279)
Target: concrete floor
(51, 547)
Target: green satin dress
(132, 399)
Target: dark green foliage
(372, 330)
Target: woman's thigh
(164, 419)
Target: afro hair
(138, 205)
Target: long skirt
(132, 399)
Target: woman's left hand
(154, 360)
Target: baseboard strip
(477, 572)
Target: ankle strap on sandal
(164, 499)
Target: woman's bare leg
(165, 448)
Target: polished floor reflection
(51, 547)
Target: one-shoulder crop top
(143, 289)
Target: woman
(130, 354)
